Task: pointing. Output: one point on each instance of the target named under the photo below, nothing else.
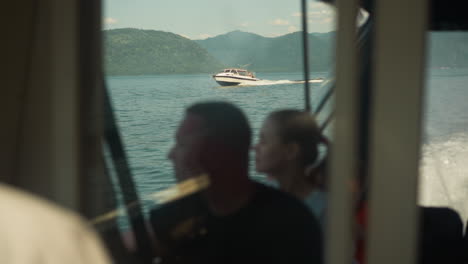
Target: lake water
(149, 108)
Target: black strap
(126, 184)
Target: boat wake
(268, 82)
(274, 82)
(443, 180)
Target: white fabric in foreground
(33, 230)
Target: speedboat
(233, 76)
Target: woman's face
(270, 151)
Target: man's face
(186, 153)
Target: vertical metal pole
(339, 247)
(305, 48)
(127, 186)
(400, 37)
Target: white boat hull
(226, 80)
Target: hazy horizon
(219, 34)
(203, 19)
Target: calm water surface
(149, 109)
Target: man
(234, 220)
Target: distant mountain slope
(282, 53)
(137, 52)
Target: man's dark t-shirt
(273, 228)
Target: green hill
(264, 54)
(140, 52)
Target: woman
(288, 152)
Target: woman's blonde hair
(300, 127)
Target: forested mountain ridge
(131, 51)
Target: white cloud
(321, 19)
(245, 24)
(110, 21)
(326, 20)
(321, 13)
(317, 11)
(273, 35)
(280, 22)
(204, 36)
(185, 36)
(292, 29)
(320, 5)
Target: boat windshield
(148, 137)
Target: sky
(200, 19)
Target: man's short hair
(225, 123)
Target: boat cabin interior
(60, 139)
